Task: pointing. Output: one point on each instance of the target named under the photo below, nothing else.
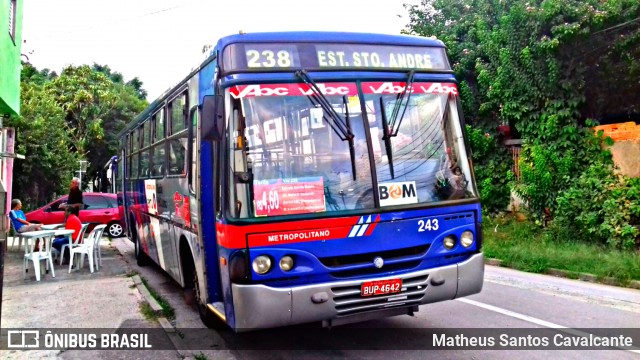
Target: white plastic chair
(17, 235)
(97, 251)
(76, 241)
(86, 248)
(35, 256)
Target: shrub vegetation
(546, 68)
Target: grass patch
(147, 311)
(167, 309)
(524, 246)
(131, 273)
(200, 356)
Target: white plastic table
(52, 226)
(29, 238)
(39, 233)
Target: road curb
(633, 284)
(493, 262)
(155, 306)
(166, 325)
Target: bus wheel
(208, 318)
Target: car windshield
(291, 154)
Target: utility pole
(83, 168)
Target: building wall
(10, 56)
(626, 147)
(626, 155)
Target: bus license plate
(381, 287)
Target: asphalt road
(513, 303)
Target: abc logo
(396, 191)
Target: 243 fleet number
(428, 225)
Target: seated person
(459, 184)
(452, 187)
(71, 222)
(18, 220)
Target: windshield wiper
(386, 137)
(341, 127)
(390, 129)
(396, 107)
(352, 149)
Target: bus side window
(134, 166)
(177, 155)
(157, 168)
(144, 163)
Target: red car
(99, 208)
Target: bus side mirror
(212, 117)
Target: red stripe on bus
(372, 226)
(297, 236)
(349, 89)
(235, 236)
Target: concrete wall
(626, 155)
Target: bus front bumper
(260, 306)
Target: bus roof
(292, 37)
(332, 37)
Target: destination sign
(322, 56)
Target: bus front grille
(347, 260)
(348, 300)
(372, 270)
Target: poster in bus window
(289, 196)
(186, 211)
(182, 207)
(154, 223)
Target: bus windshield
(379, 146)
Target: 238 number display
(268, 58)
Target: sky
(160, 41)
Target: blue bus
(307, 177)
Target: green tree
(130, 101)
(66, 118)
(98, 105)
(86, 97)
(539, 66)
(117, 78)
(127, 105)
(491, 164)
(42, 138)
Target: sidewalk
(106, 299)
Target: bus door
(204, 161)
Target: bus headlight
(449, 242)
(286, 263)
(466, 239)
(261, 264)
